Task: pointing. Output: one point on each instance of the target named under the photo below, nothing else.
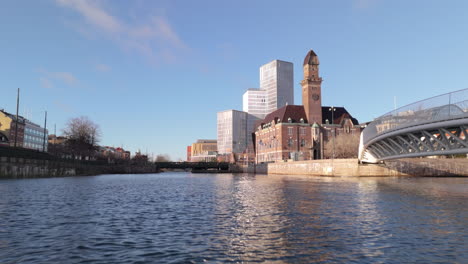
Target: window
(302, 142)
(302, 131)
(290, 142)
(290, 131)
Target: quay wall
(14, 168)
(350, 167)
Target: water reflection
(180, 217)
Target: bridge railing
(448, 106)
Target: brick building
(189, 153)
(3, 140)
(300, 132)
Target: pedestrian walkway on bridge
(435, 126)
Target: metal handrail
(434, 109)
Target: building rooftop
(311, 58)
(207, 141)
(295, 112)
(339, 114)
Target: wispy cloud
(48, 78)
(46, 83)
(65, 77)
(102, 67)
(154, 38)
(364, 4)
(64, 107)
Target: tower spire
(312, 88)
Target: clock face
(315, 97)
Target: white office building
(234, 131)
(254, 102)
(276, 78)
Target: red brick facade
(286, 133)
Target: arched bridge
(435, 126)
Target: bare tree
(162, 158)
(82, 136)
(346, 146)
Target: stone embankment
(11, 167)
(351, 167)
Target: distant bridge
(435, 126)
(220, 166)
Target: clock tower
(312, 89)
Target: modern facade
(233, 131)
(254, 102)
(204, 150)
(35, 137)
(300, 132)
(277, 79)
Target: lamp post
(332, 110)
(17, 117)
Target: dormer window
(289, 120)
(327, 122)
(302, 120)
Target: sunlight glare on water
(183, 217)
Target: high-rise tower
(277, 79)
(312, 89)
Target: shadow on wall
(431, 167)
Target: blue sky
(153, 74)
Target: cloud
(102, 67)
(48, 78)
(46, 83)
(65, 77)
(364, 4)
(155, 38)
(64, 107)
(93, 14)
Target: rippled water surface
(193, 218)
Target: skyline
(160, 73)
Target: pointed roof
(339, 115)
(311, 58)
(295, 112)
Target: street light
(332, 110)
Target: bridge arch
(435, 126)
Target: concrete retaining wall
(31, 168)
(350, 167)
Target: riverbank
(425, 167)
(14, 168)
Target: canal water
(225, 218)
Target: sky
(153, 74)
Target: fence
(448, 106)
